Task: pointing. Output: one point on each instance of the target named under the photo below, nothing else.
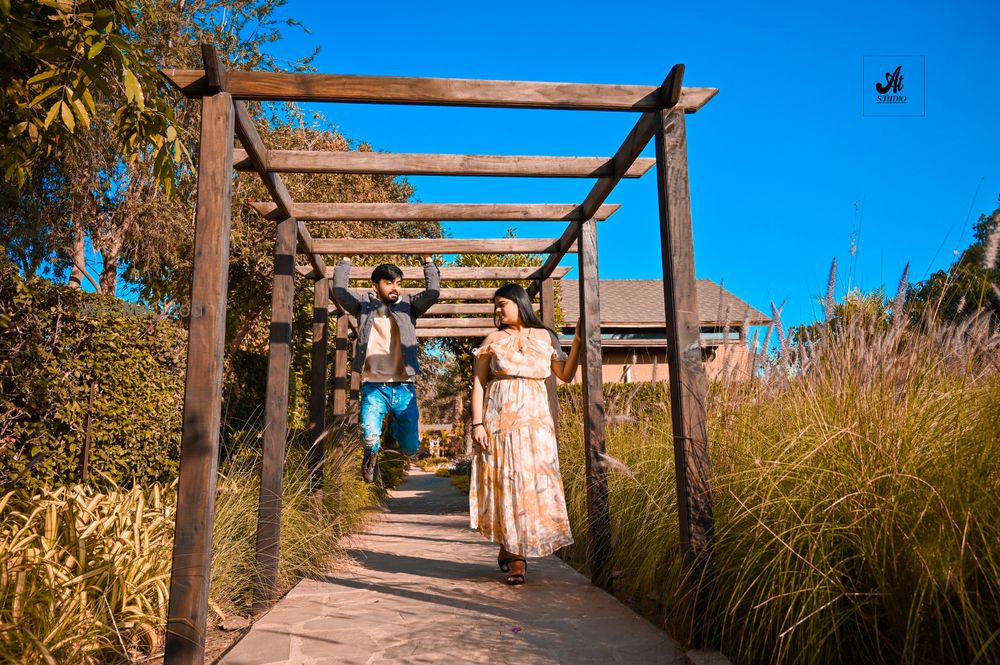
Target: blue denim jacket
(404, 311)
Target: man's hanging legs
(374, 407)
(405, 423)
(377, 401)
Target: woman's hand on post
(479, 437)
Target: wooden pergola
(224, 114)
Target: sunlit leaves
(67, 64)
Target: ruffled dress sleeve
(483, 348)
(557, 352)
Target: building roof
(626, 302)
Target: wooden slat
(341, 373)
(248, 135)
(454, 323)
(464, 293)
(625, 156)
(341, 369)
(216, 76)
(450, 273)
(354, 408)
(254, 155)
(547, 296)
(416, 212)
(687, 374)
(364, 246)
(285, 86)
(468, 293)
(275, 417)
(433, 333)
(465, 308)
(257, 156)
(317, 383)
(599, 517)
(191, 565)
(394, 163)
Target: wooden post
(354, 416)
(317, 393)
(340, 378)
(547, 295)
(685, 369)
(275, 416)
(192, 555)
(599, 553)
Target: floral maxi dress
(516, 496)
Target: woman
(516, 495)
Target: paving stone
(421, 587)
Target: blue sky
(785, 171)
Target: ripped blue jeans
(398, 400)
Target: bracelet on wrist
(478, 425)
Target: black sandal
(513, 578)
(504, 561)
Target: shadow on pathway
(421, 587)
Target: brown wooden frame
(224, 114)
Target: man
(386, 354)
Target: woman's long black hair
(519, 295)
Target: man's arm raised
(341, 293)
(432, 291)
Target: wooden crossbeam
(452, 273)
(256, 153)
(467, 308)
(291, 87)
(484, 294)
(468, 293)
(413, 212)
(389, 163)
(454, 323)
(625, 156)
(363, 246)
(431, 333)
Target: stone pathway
(423, 588)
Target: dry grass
(856, 495)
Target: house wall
(636, 364)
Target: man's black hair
(387, 271)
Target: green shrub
(83, 575)
(461, 482)
(430, 463)
(57, 342)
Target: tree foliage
(971, 283)
(68, 64)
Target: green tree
(970, 284)
(119, 176)
(67, 64)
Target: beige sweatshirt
(384, 360)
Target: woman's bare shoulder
(493, 336)
(483, 347)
